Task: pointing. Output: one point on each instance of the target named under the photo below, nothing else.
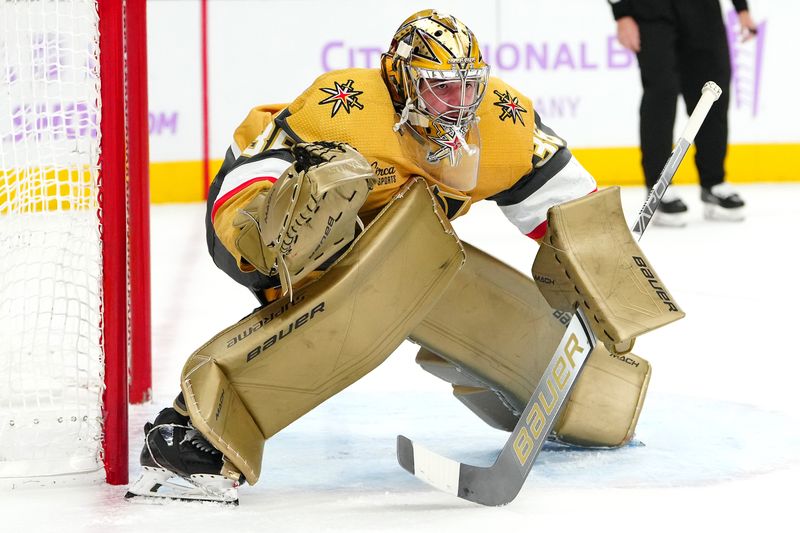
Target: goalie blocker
(589, 259)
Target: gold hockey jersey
(524, 166)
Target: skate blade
(715, 212)
(669, 220)
(161, 485)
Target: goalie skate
(178, 463)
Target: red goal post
(74, 237)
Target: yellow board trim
(178, 181)
(182, 181)
(746, 163)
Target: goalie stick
(500, 482)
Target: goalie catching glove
(308, 215)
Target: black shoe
(671, 211)
(172, 443)
(721, 202)
(178, 463)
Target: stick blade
(432, 468)
(497, 485)
(493, 486)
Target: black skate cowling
(172, 443)
(178, 463)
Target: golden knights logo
(342, 96)
(510, 107)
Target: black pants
(683, 45)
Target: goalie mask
(437, 79)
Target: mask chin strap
(411, 115)
(403, 52)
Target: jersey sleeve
(239, 180)
(556, 177)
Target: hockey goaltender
(335, 212)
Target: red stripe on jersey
(539, 231)
(221, 200)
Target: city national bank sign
(505, 57)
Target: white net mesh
(51, 359)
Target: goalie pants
(683, 45)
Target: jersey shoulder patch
(503, 103)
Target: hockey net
(71, 244)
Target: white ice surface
(717, 448)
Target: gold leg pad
(494, 325)
(605, 404)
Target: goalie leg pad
(290, 356)
(494, 324)
(588, 257)
(492, 335)
(605, 404)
